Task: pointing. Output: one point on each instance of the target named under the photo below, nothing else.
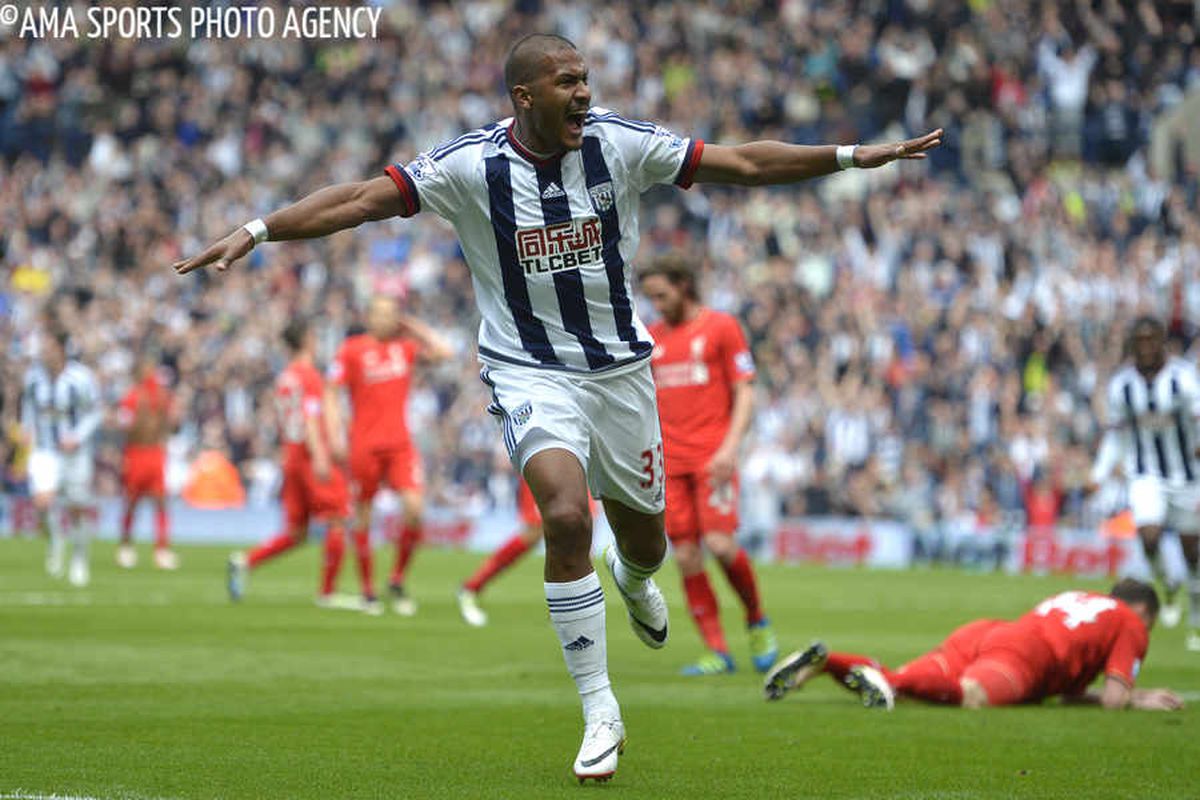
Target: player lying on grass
(1057, 649)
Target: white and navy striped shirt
(550, 242)
(56, 407)
(1151, 426)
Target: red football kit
(298, 392)
(144, 412)
(696, 365)
(377, 374)
(1058, 648)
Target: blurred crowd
(931, 338)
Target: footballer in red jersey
(314, 488)
(376, 368)
(1057, 649)
(147, 415)
(703, 374)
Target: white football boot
(166, 559)
(603, 742)
(872, 687)
(1171, 613)
(127, 556)
(468, 606)
(647, 609)
(792, 672)
(79, 574)
(237, 571)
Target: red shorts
(143, 470)
(1010, 665)
(399, 468)
(304, 497)
(694, 507)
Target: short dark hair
(1130, 590)
(677, 270)
(525, 56)
(1146, 321)
(294, 333)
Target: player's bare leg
(641, 546)
(1191, 555)
(576, 603)
(164, 556)
(126, 552)
(56, 542)
(702, 604)
(504, 557)
(410, 537)
(1151, 538)
(79, 571)
(764, 647)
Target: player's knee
(689, 558)
(721, 546)
(973, 694)
(565, 518)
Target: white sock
(53, 532)
(632, 577)
(577, 613)
(79, 539)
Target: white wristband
(257, 230)
(845, 156)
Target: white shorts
(67, 475)
(1156, 502)
(610, 423)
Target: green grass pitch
(151, 685)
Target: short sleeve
(654, 155)
(433, 180)
(739, 363)
(1125, 658)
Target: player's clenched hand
(869, 156)
(223, 253)
(721, 467)
(1157, 700)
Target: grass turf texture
(151, 685)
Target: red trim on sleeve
(691, 162)
(408, 192)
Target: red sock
(702, 604)
(127, 522)
(741, 577)
(335, 548)
(410, 536)
(162, 527)
(507, 553)
(280, 543)
(362, 549)
(928, 678)
(839, 664)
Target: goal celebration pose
(545, 205)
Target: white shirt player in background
(545, 205)
(1153, 404)
(60, 413)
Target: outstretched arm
(433, 346)
(1116, 695)
(325, 211)
(770, 163)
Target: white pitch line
(23, 794)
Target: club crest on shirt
(674, 141)
(602, 196)
(522, 413)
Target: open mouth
(575, 122)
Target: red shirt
(377, 374)
(1089, 634)
(696, 365)
(144, 412)
(298, 394)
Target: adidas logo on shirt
(582, 643)
(552, 190)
